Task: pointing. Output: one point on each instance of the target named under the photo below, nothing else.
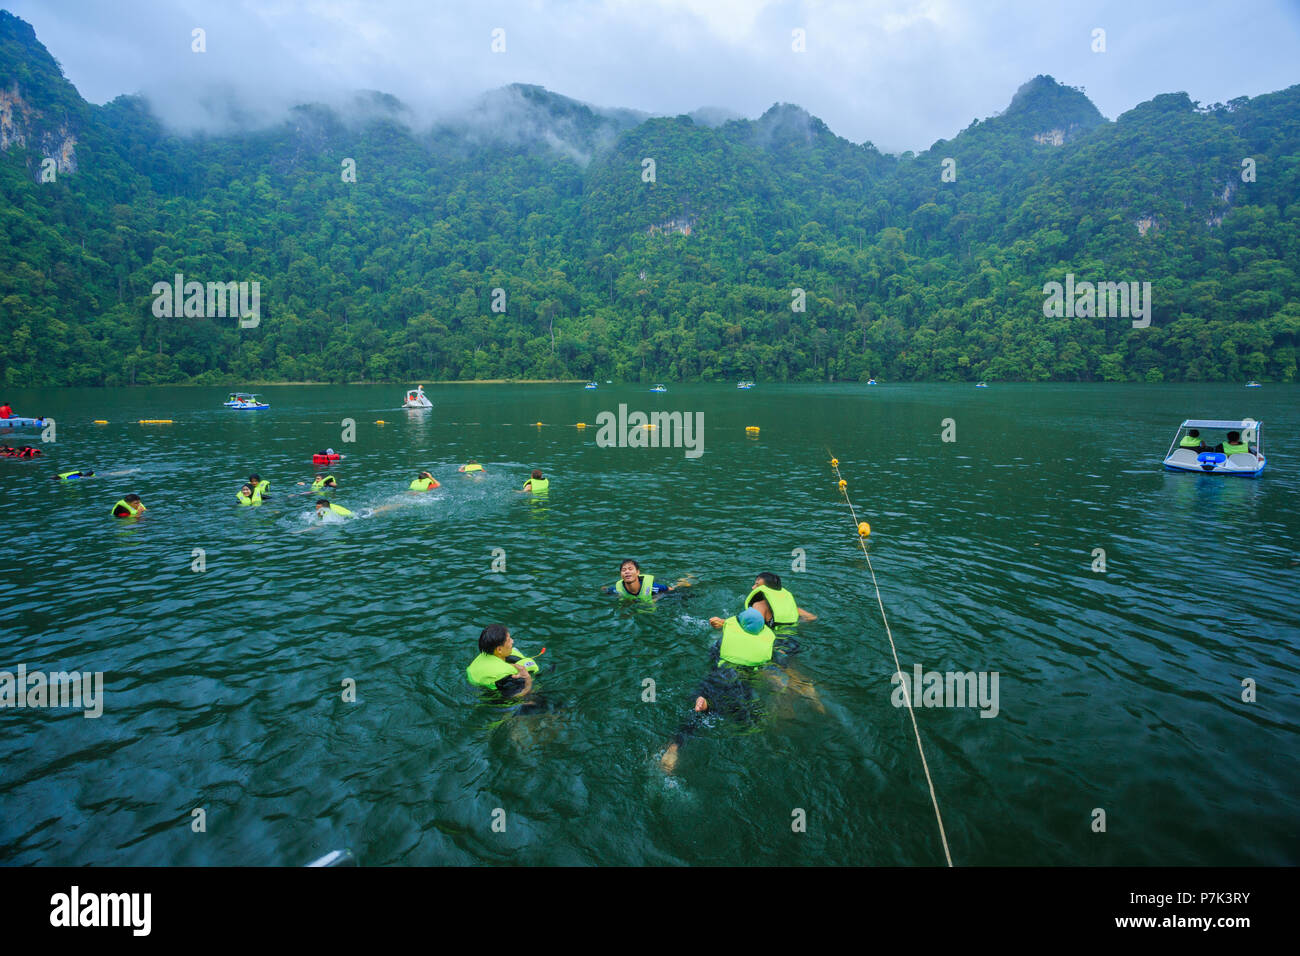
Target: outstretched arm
(806, 615)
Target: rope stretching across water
(907, 697)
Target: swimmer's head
(629, 570)
(246, 490)
(132, 499)
(537, 473)
(424, 474)
(769, 580)
(254, 478)
(495, 637)
(322, 503)
(750, 620)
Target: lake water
(1119, 690)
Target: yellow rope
(907, 697)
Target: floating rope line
(907, 697)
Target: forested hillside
(907, 273)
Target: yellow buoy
(751, 429)
(843, 484)
(864, 529)
(100, 421)
(835, 463)
(381, 422)
(155, 421)
(582, 424)
(539, 424)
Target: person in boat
(1192, 440)
(498, 667)
(635, 585)
(775, 603)
(72, 475)
(129, 507)
(324, 505)
(324, 483)
(1233, 445)
(537, 484)
(470, 467)
(747, 646)
(424, 482)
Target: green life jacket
(261, 488)
(1190, 442)
(782, 603)
(65, 475)
(132, 511)
(647, 592)
(320, 482)
(1229, 449)
(340, 510)
(244, 499)
(422, 484)
(486, 669)
(540, 485)
(741, 647)
(469, 468)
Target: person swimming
(129, 507)
(324, 483)
(471, 467)
(640, 587)
(747, 645)
(424, 482)
(324, 506)
(537, 484)
(775, 603)
(72, 475)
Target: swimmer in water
(324, 483)
(324, 506)
(471, 467)
(424, 482)
(537, 484)
(775, 603)
(640, 587)
(747, 648)
(129, 507)
(72, 475)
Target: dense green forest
(609, 273)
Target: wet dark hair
(1234, 437)
(631, 562)
(493, 636)
(771, 580)
(537, 473)
(322, 501)
(1194, 432)
(254, 477)
(132, 497)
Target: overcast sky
(901, 73)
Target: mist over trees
(692, 267)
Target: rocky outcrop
(22, 125)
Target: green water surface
(1119, 690)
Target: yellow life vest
(1229, 449)
(422, 484)
(248, 500)
(469, 468)
(539, 485)
(321, 482)
(340, 510)
(132, 511)
(647, 592)
(486, 669)
(1190, 442)
(741, 647)
(782, 603)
